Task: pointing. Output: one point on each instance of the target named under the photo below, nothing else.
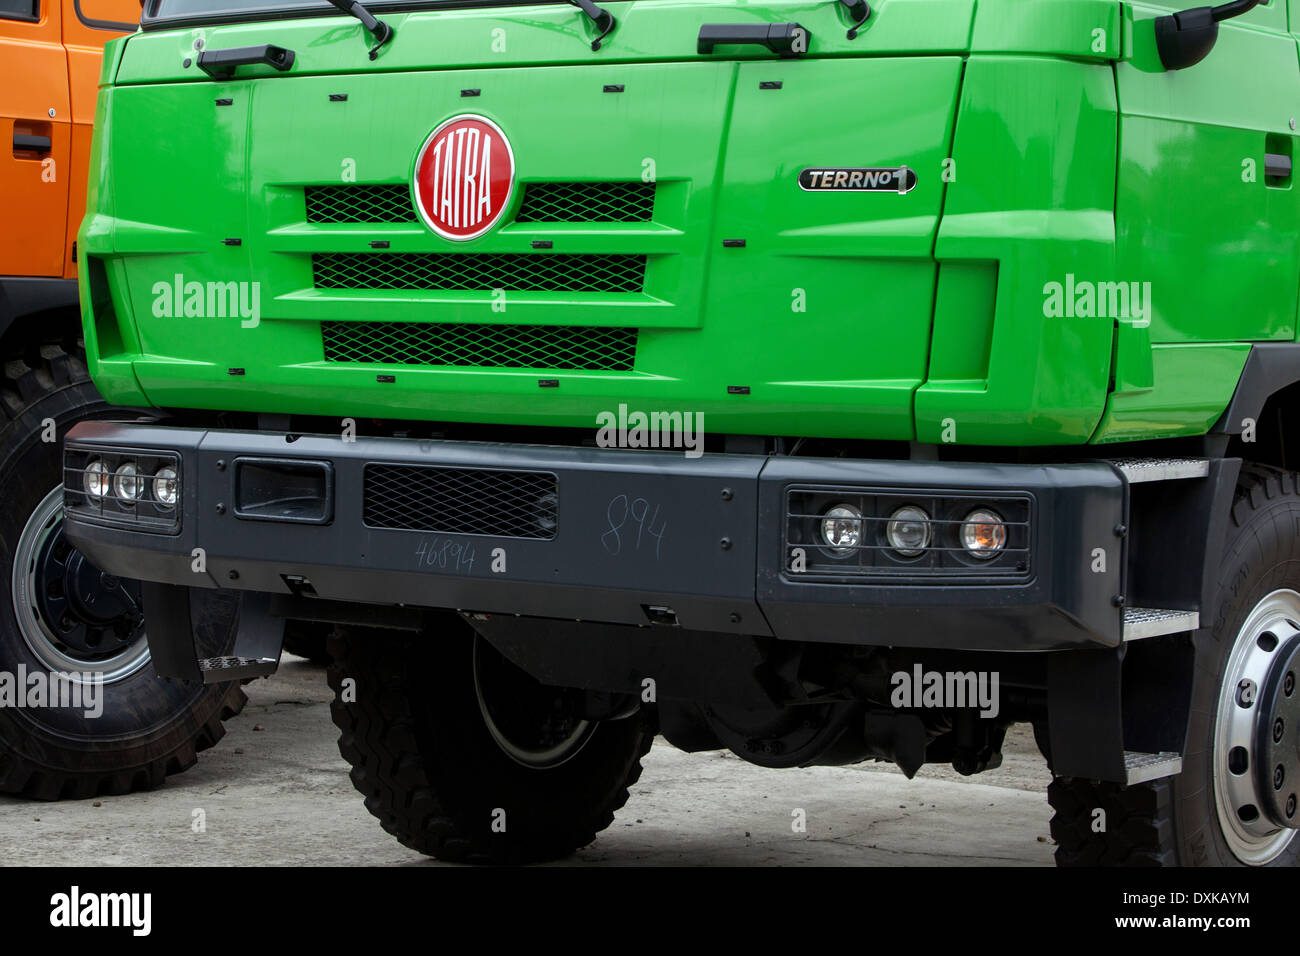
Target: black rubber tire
(308, 639)
(149, 728)
(429, 770)
(1173, 822)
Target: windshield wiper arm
(860, 9)
(381, 31)
(603, 19)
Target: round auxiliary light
(127, 483)
(908, 531)
(95, 479)
(983, 534)
(842, 529)
(164, 486)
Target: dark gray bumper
(710, 542)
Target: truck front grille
(542, 202)
(360, 202)
(587, 202)
(477, 272)
(507, 504)
(571, 348)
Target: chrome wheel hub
(1256, 741)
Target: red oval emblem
(463, 177)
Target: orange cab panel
(35, 133)
(50, 53)
(87, 26)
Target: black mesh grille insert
(509, 504)
(587, 202)
(542, 202)
(481, 346)
(471, 272)
(360, 202)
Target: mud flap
(170, 632)
(1120, 714)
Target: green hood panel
(824, 311)
(731, 290)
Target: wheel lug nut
(1279, 729)
(1288, 683)
(1279, 777)
(1290, 806)
(1246, 693)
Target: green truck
(822, 381)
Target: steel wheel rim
(535, 758)
(38, 635)
(1254, 842)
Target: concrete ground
(275, 791)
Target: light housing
(983, 534)
(96, 479)
(129, 479)
(908, 531)
(841, 529)
(128, 485)
(891, 546)
(166, 486)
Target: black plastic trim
(19, 18)
(171, 631)
(703, 536)
(1270, 367)
(327, 514)
(1277, 165)
(38, 144)
(778, 37)
(116, 26)
(221, 64)
(21, 296)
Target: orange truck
(81, 709)
(50, 55)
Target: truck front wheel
(464, 757)
(1234, 804)
(82, 712)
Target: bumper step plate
(1162, 469)
(1139, 767)
(1140, 622)
(217, 670)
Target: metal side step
(1162, 469)
(1140, 622)
(217, 670)
(1139, 768)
